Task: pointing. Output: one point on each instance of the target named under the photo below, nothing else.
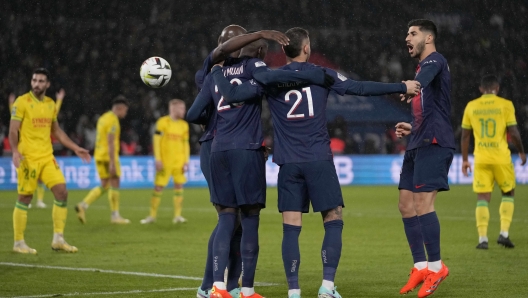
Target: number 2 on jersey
(221, 107)
(298, 101)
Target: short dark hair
(120, 99)
(489, 81)
(43, 71)
(425, 25)
(297, 35)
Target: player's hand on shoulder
(83, 154)
(159, 166)
(277, 36)
(11, 98)
(60, 95)
(466, 168)
(523, 158)
(403, 129)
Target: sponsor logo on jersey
(260, 63)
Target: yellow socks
(154, 203)
(113, 198)
(506, 213)
(59, 214)
(20, 220)
(93, 195)
(483, 216)
(40, 192)
(178, 199)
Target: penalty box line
(262, 284)
(108, 293)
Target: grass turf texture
(374, 263)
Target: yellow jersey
(171, 141)
(58, 104)
(36, 119)
(489, 116)
(107, 124)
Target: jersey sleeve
(199, 77)
(18, 110)
(344, 85)
(466, 119)
(235, 93)
(510, 114)
(186, 146)
(201, 102)
(156, 139)
(428, 71)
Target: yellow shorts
(103, 168)
(485, 176)
(163, 176)
(29, 172)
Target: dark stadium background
(94, 50)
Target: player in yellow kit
(59, 97)
(106, 157)
(33, 120)
(490, 117)
(171, 152)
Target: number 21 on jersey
(221, 107)
(298, 100)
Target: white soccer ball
(155, 72)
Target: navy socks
(291, 256)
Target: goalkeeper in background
(59, 97)
(171, 152)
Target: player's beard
(418, 49)
(37, 92)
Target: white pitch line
(263, 284)
(106, 293)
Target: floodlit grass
(374, 263)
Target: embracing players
(33, 120)
(490, 117)
(427, 160)
(302, 150)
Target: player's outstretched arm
(63, 138)
(236, 43)
(231, 93)
(199, 106)
(14, 127)
(517, 142)
(464, 146)
(316, 76)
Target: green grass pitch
(374, 263)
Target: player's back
(107, 124)
(299, 121)
(431, 109)
(238, 126)
(174, 135)
(489, 117)
(36, 119)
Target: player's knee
(26, 199)
(406, 209)
(333, 214)
(250, 210)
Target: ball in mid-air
(155, 72)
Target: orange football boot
(255, 295)
(416, 277)
(217, 293)
(432, 281)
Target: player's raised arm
(66, 141)
(316, 76)
(11, 100)
(236, 43)
(59, 97)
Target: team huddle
(233, 81)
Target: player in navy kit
(232, 38)
(237, 161)
(302, 150)
(427, 160)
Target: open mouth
(410, 47)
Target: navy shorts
(425, 169)
(238, 177)
(205, 160)
(302, 183)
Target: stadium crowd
(94, 52)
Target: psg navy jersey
(299, 118)
(238, 126)
(431, 109)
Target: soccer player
(106, 157)
(237, 161)
(231, 39)
(427, 160)
(490, 117)
(33, 120)
(302, 150)
(59, 97)
(171, 153)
